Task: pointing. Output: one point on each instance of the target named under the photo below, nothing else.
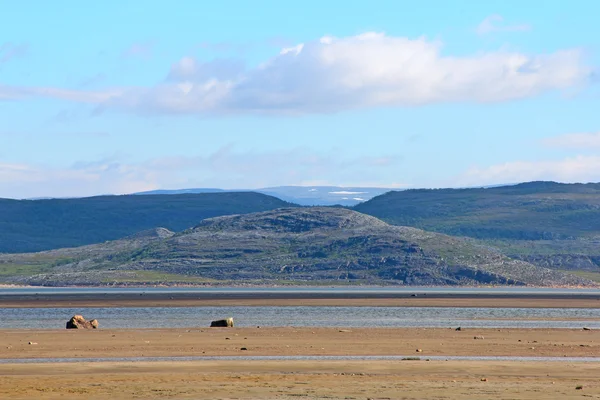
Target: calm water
(187, 317)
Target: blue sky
(124, 96)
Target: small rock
(419, 350)
(585, 328)
(580, 387)
(344, 330)
(532, 348)
(458, 329)
(32, 343)
(483, 379)
(243, 348)
(478, 337)
(227, 338)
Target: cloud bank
(569, 170)
(336, 74)
(574, 141)
(225, 168)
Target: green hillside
(547, 224)
(528, 211)
(35, 225)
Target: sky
(126, 96)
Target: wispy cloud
(495, 23)
(78, 96)
(9, 51)
(92, 80)
(574, 140)
(226, 168)
(336, 74)
(139, 49)
(573, 169)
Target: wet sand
(191, 299)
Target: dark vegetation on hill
(549, 224)
(292, 245)
(35, 225)
(528, 211)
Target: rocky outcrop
(78, 322)
(224, 323)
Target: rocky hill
(291, 245)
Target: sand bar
(384, 299)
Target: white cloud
(574, 140)
(569, 170)
(495, 23)
(336, 74)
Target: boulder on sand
(78, 322)
(226, 323)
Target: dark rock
(224, 323)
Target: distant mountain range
(301, 195)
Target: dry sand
(302, 379)
(297, 341)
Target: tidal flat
(320, 361)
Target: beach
(284, 362)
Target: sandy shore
(245, 379)
(297, 341)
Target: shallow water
(299, 316)
(300, 358)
